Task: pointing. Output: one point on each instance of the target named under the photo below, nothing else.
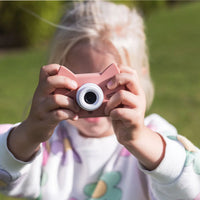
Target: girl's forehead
(87, 58)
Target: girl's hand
(47, 110)
(127, 109)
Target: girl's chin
(95, 134)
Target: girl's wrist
(148, 148)
(20, 145)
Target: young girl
(54, 154)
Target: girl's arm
(178, 175)
(47, 110)
(170, 161)
(16, 175)
(128, 120)
(20, 144)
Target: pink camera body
(92, 93)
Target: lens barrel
(89, 96)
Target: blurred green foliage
(147, 7)
(19, 27)
(22, 22)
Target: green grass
(174, 46)
(19, 73)
(174, 38)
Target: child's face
(83, 58)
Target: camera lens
(90, 97)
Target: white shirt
(72, 167)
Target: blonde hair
(106, 21)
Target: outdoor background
(173, 33)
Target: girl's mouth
(93, 119)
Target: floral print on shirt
(106, 188)
(192, 153)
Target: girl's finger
(62, 114)
(131, 81)
(124, 98)
(56, 101)
(53, 82)
(49, 70)
(126, 115)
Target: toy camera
(92, 93)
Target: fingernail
(75, 118)
(74, 84)
(110, 84)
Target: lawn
(174, 46)
(174, 41)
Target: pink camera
(92, 93)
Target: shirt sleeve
(178, 174)
(18, 178)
